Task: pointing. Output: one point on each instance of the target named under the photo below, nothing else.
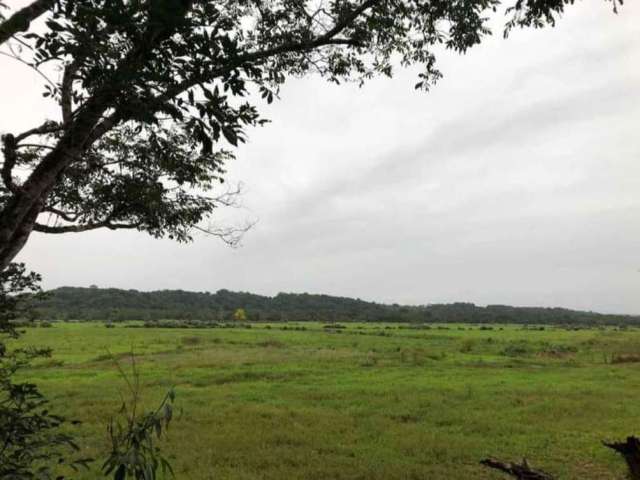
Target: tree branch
(322, 40)
(344, 22)
(326, 39)
(38, 227)
(10, 157)
(104, 126)
(232, 236)
(69, 217)
(21, 20)
(66, 90)
(47, 127)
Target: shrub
(467, 345)
(34, 446)
(516, 349)
(134, 452)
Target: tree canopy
(154, 94)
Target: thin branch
(232, 236)
(34, 145)
(30, 65)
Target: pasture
(367, 401)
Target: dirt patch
(626, 358)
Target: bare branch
(232, 236)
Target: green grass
(370, 402)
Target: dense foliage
(15, 283)
(112, 304)
(33, 446)
(32, 442)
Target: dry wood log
(630, 450)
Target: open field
(363, 402)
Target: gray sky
(516, 180)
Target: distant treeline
(111, 304)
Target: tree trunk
(20, 237)
(19, 214)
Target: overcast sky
(516, 180)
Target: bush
(134, 453)
(516, 349)
(34, 445)
(467, 346)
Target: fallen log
(520, 471)
(630, 450)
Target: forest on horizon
(112, 304)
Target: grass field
(365, 402)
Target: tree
(240, 315)
(148, 90)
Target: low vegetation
(360, 401)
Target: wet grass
(360, 402)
